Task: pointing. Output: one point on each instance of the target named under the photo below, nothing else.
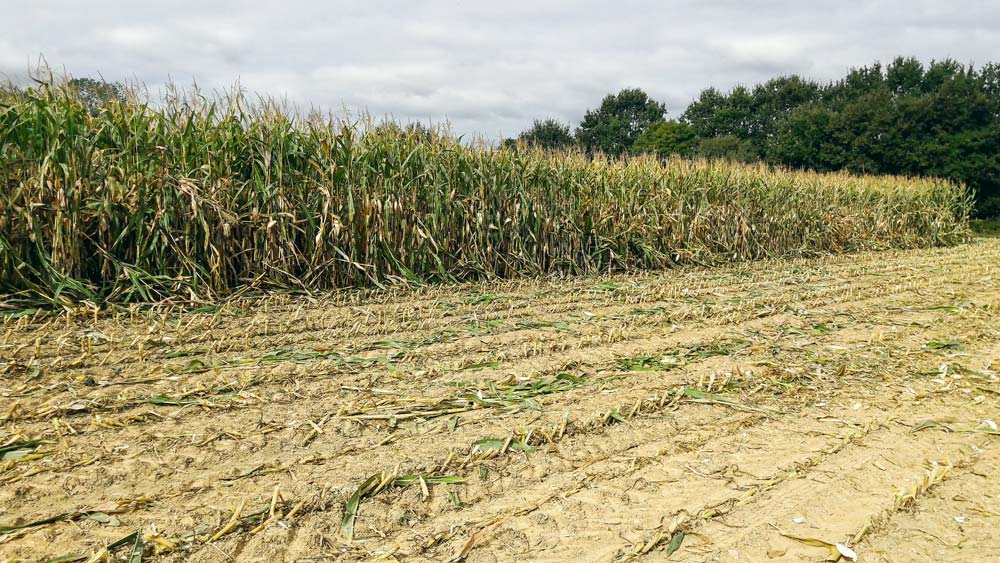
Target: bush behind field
(201, 197)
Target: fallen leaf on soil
(474, 540)
(104, 519)
(42, 522)
(351, 508)
(837, 550)
(675, 543)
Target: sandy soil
(761, 412)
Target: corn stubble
(200, 197)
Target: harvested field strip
(625, 412)
(710, 511)
(391, 318)
(510, 397)
(595, 322)
(191, 396)
(229, 391)
(824, 299)
(410, 354)
(775, 376)
(158, 399)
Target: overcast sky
(488, 67)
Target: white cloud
(10, 57)
(488, 67)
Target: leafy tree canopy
(548, 134)
(666, 138)
(939, 119)
(727, 147)
(616, 125)
(97, 94)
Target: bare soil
(759, 412)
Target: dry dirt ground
(759, 412)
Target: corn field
(200, 197)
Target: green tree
(772, 102)
(864, 130)
(97, 94)
(941, 72)
(904, 76)
(728, 147)
(989, 83)
(750, 114)
(614, 127)
(804, 139)
(704, 114)
(715, 114)
(547, 134)
(667, 138)
(858, 82)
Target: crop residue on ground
(777, 411)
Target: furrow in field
(185, 449)
(526, 337)
(625, 394)
(604, 362)
(957, 521)
(327, 470)
(391, 326)
(629, 495)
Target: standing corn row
(198, 198)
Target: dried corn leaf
(836, 550)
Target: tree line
(939, 119)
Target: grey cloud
(486, 67)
